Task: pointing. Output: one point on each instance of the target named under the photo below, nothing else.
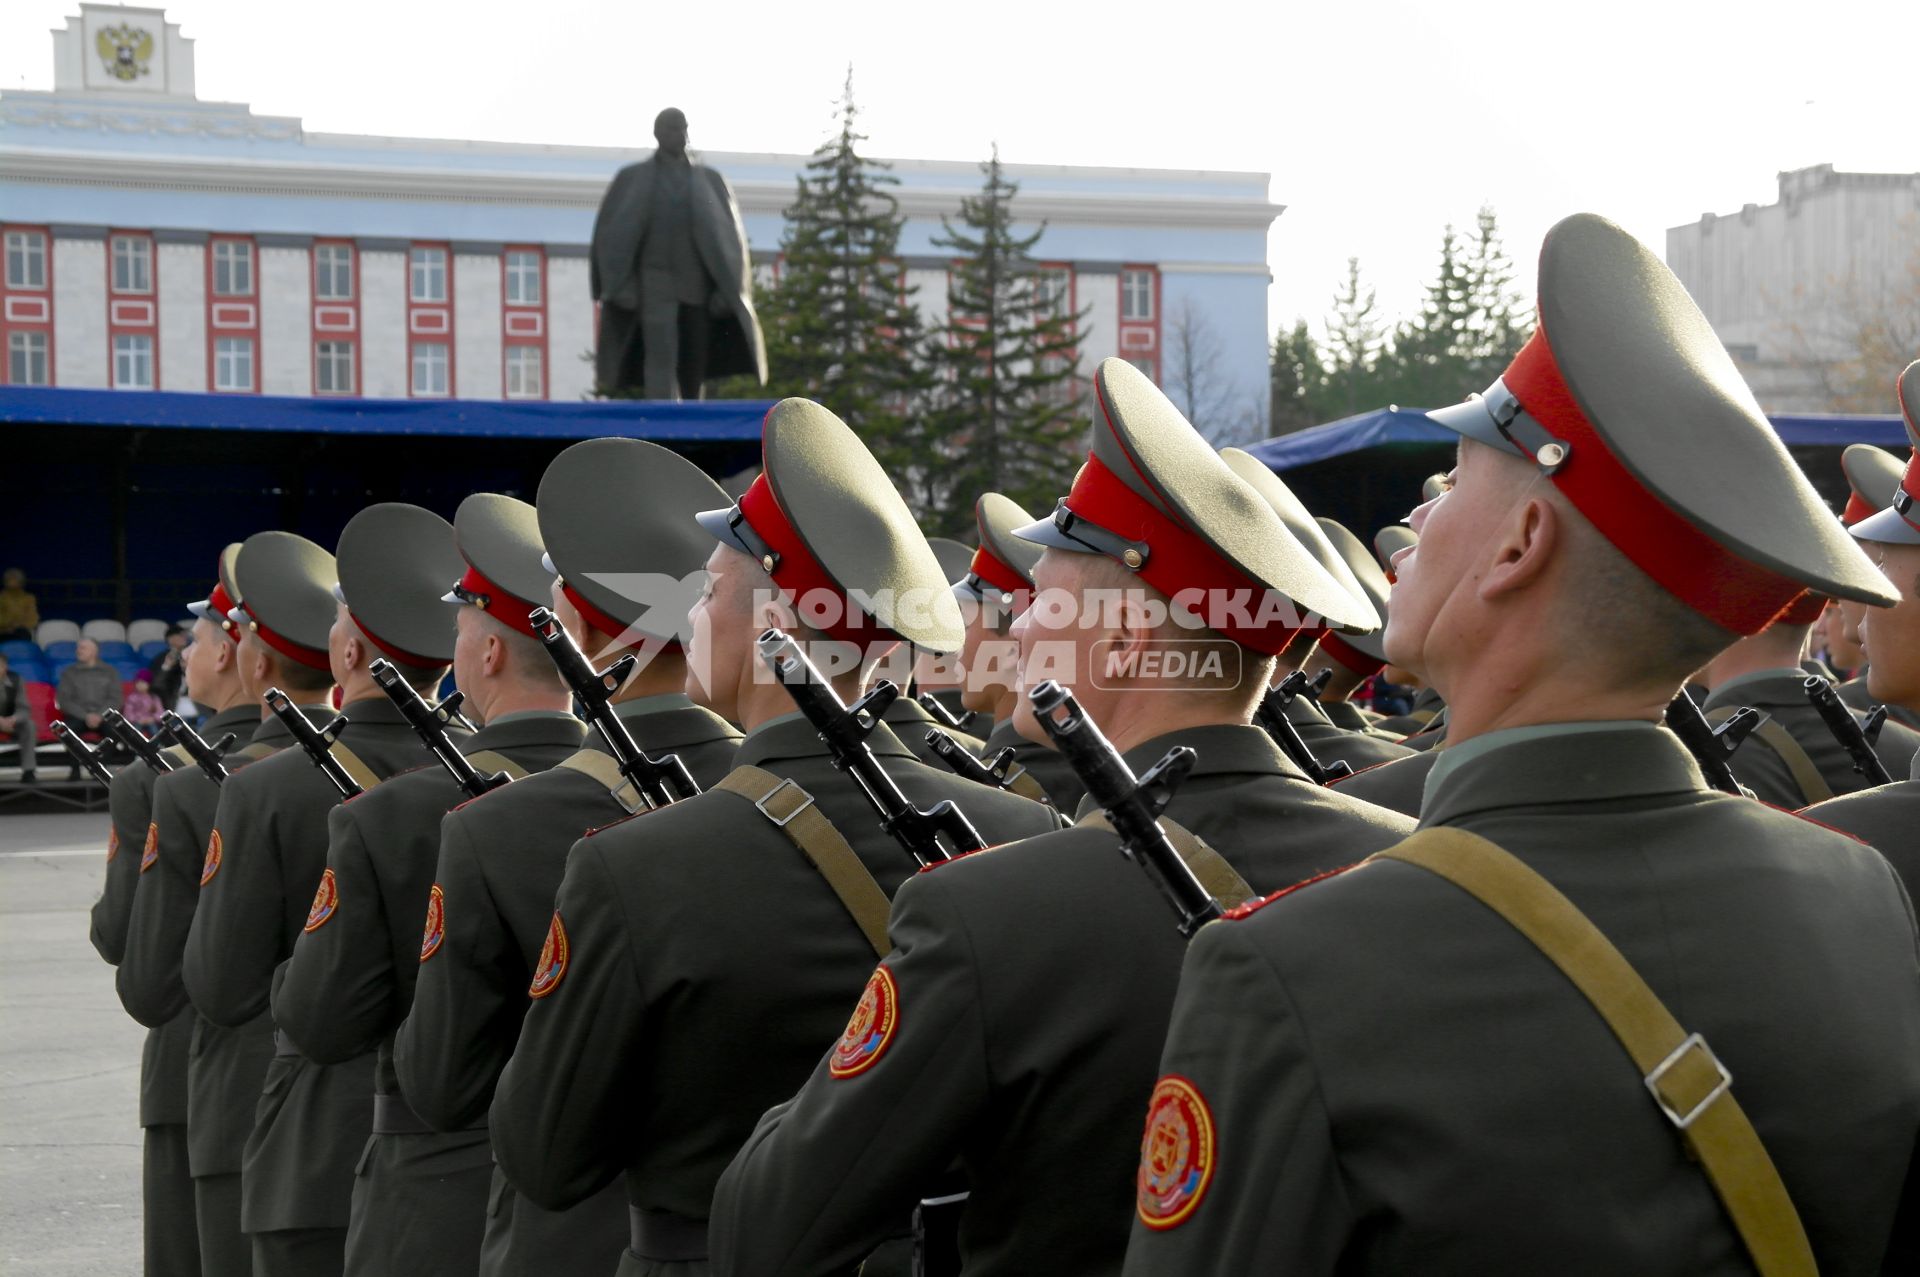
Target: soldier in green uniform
(228, 669)
(940, 677)
(1873, 477)
(1015, 1024)
(1349, 660)
(603, 504)
(697, 963)
(420, 1195)
(1380, 1073)
(311, 1126)
(996, 585)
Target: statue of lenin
(670, 269)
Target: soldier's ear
(1525, 548)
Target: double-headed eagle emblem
(125, 50)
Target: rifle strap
(350, 763)
(1691, 1086)
(605, 768)
(179, 754)
(488, 761)
(792, 811)
(1812, 784)
(1222, 881)
(255, 751)
(1020, 781)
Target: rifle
(1271, 716)
(1317, 684)
(845, 729)
(980, 771)
(136, 742)
(1853, 737)
(207, 757)
(1712, 746)
(655, 781)
(430, 723)
(942, 715)
(84, 754)
(316, 741)
(1132, 804)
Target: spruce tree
(1428, 364)
(1355, 339)
(1498, 322)
(1296, 381)
(1009, 408)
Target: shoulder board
(615, 824)
(1370, 767)
(952, 860)
(1817, 822)
(1252, 907)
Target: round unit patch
(436, 923)
(1177, 1154)
(325, 900)
(150, 852)
(553, 960)
(113, 842)
(211, 865)
(870, 1030)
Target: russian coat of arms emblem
(125, 50)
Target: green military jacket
(1854, 692)
(1357, 749)
(972, 721)
(1015, 1027)
(1427, 704)
(312, 1121)
(910, 722)
(697, 967)
(225, 1065)
(1760, 768)
(1398, 784)
(1352, 718)
(1049, 767)
(501, 859)
(1886, 818)
(1389, 1078)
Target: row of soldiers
(1520, 990)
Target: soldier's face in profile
(202, 661)
(1890, 637)
(721, 632)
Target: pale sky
(1378, 121)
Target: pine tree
(1009, 407)
(1355, 339)
(840, 324)
(1427, 364)
(1296, 381)
(1498, 322)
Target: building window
(26, 260)
(132, 264)
(523, 372)
(429, 275)
(1052, 291)
(1136, 295)
(233, 364)
(429, 369)
(523, 279)
(132, 361)
(27, 360)
(232, 268)
(333, 272)
(333, 368)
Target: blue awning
(1409, 425)
(714, 420)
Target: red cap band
(612, 627)
(501, 604)
(1804, 610)
(280, 643)
(1178, 559)
(1350, 656)
(1910, 484)
(997, 574)
(1683, 560)
(219, 603)
(1857, 509)
(799, 574)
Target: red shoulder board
(1252, 907)
(1370, 767)
(1816, 821)
(933, 865)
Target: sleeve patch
(1177, 1154)
(871, 1029)
(150, 852)
(436, 929)
(326, 901)
(554, 955)
(211, 865)
(113, 842)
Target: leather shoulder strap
(179, 755)
(255, 751)
(1689, 1084)
(362, 774)
(792, 811)
(1020, 781)
(488, 761)
(604, 768)
(1812, 784)
(1222, 881)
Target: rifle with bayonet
(1857, 739)
(997, 771)
(940, 714)
(1271, 716)
(430, 723)
(208, 758)
(1712, 746)
(1317, 684)
(136, 742)
(84, 754)
(655, 781)
(938, 833)
(1132, 804)
(316, 741)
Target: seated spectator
(19, 610)
(143, 707)
(88, 689)
(167, 671)
(16, 718)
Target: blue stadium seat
(30, 669)
(152, 649)
(129, 669)
(18, 651)
(113, 651)
(58, 654)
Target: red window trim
(509, 310)
(216, 333)
(445, 336)
(117, 328)
(9, 326)
(350, 334)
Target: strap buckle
(1720, 1088)
(781, 822)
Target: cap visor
(1472, 420)
(203, 609)
(718, 526)
(1044, 532)
(1886, 527)
(546, 564)
(237, 615)
(451, 597)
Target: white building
(1816, 296)
(159, 242)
